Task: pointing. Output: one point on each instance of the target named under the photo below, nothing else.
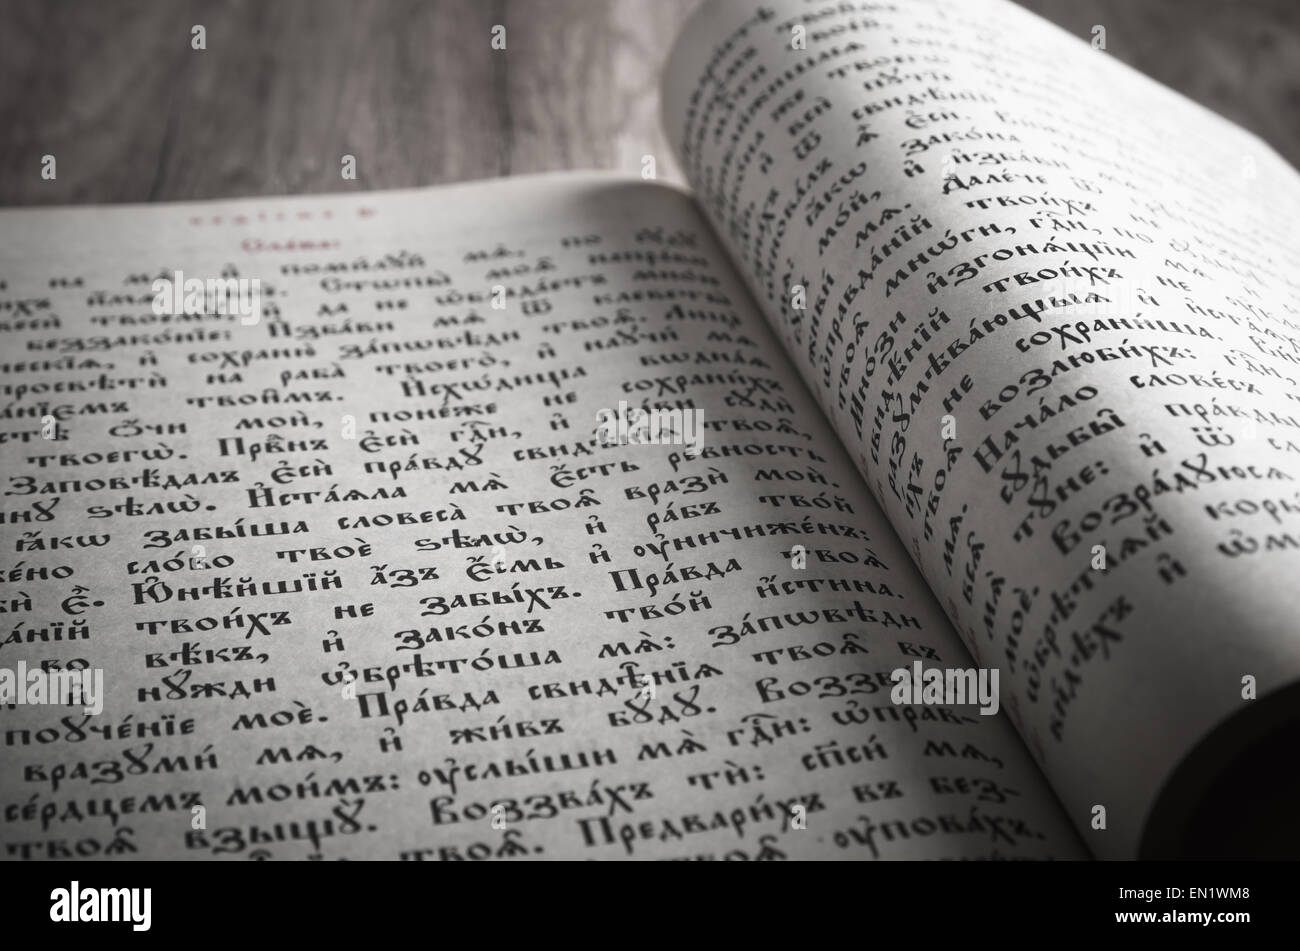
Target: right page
(1051, 309)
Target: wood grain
(415, 92)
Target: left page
(374, 559)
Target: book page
(1051, 308)
(491, 522)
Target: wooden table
(414, 91)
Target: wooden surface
(414, 91)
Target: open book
(923, 484)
